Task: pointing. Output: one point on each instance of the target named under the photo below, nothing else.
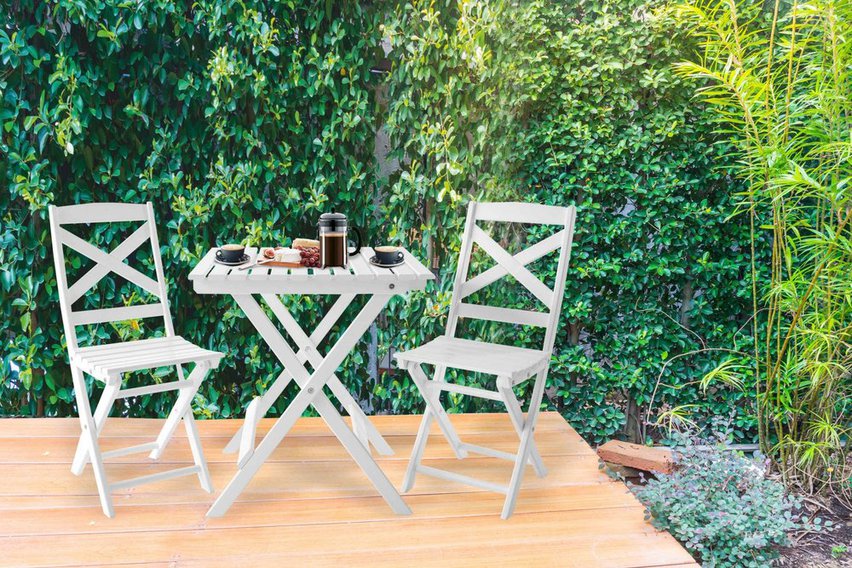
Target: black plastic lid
(332, 220)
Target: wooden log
(658, 460)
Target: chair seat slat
(124, 345)
(107, 360)
(151, 355)
(476, 356)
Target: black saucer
(375, 262)
(245, 258)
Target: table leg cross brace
(311, 394)
(307, 353)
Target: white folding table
(361, 278)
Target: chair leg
(197, 452)
(434, 411)
(179, 410)
(81, 456)
(525, 446)
(513, 406)
(433, 402)
(90, 440)
(417, 451)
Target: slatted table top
(362, 277)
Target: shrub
(722, 506)
(577, 102)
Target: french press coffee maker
(334, 240)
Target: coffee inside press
(333, 249)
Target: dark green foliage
(245, 120)
(576, 102)
(238, 120)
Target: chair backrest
(529, 213)
(106, 262)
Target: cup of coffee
(388, 254)
(231, 253)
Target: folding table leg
(525, 446)
(271, 441)
(360, 454)
(90, 438)
(267, 399)
(81, 456)
(359, 425)
(516, 415)
(308, 344)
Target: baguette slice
(305, 243)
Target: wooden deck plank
(388, 425)
(365, 540)
(634, 551)
(299, 448)
(144, 517)
(309, 479)
(311, 505)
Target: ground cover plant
(722, 506)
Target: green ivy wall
(246, 120)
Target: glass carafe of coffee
(334, 240)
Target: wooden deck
(311, 505)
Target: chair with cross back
(511, 365)
(109, 362)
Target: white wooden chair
(511, 365)
(108, 362)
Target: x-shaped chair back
(105, 263)
(514, 265)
